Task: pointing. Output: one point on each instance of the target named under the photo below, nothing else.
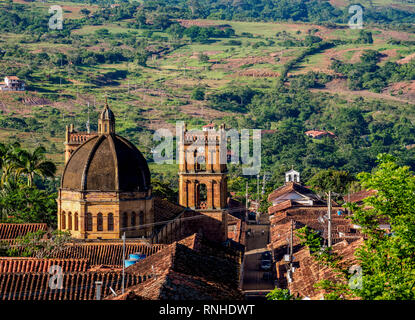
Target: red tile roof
(76, 285)
(10, 231)
(319, 133)
(281, 206)
(108, 253)
(359, 196)
(292, 187)
(181, 272)
(309, 271)
(23, 264)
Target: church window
(63, 220)
(110, 222)
(124, 220)
(69, 221)
(141, 218)
(133, 219)
(88, 222)
(76, 221)
(100, 222)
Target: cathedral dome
(106, 162)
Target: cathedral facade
(105, 187)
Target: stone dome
(106, 163)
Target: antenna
(87, 122)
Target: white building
(12, 83)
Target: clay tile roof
(280, 206)
(109, 254)
(23, 264)
(359, 196)
(309, 271)
(12, 78)
(184, 273)
(13, 230)
(165, 210)
(318, 133)
(210, 125)
(76, 285)
(292, 187)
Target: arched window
(141, 218)
(133, 219)
(88, 222)
(76, 221)
(69, 221)
(100, 222)
(110, 222)
(124, 220)
(63, 220)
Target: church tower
(203, 178)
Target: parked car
(266, 256)
(266, 265)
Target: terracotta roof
(13, 230)
(319, 133)
(165, 210)
(359, 196)
(309, 271)
(342, 228)
(280, 206)
(210, 125)
(76, 285)
(12, 77)
(292, 187)
(184, 273)
(109, 254)
(23, 264)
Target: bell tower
(203, 178)
(106, 120)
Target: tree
(331, 180)
(387, 259)
(85, 12)
(198, 94)
(34, 164)
(281, 294)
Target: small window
(124, 220)
(110, 222)
(88, 221)
(100, 222)
(76, 222)
(63, 220)
(141, 218)
(69, 221)
(133, 219)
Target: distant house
(12, 83)
(319, 134)
(209, 127)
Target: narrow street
(256, 282)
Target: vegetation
(21, 200)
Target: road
(254, 281)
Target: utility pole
(246, 201)
(257, 189)
(123, 261)
(329, 220)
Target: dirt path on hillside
(339, 86)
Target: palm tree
(34, 164)
(8, 162)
